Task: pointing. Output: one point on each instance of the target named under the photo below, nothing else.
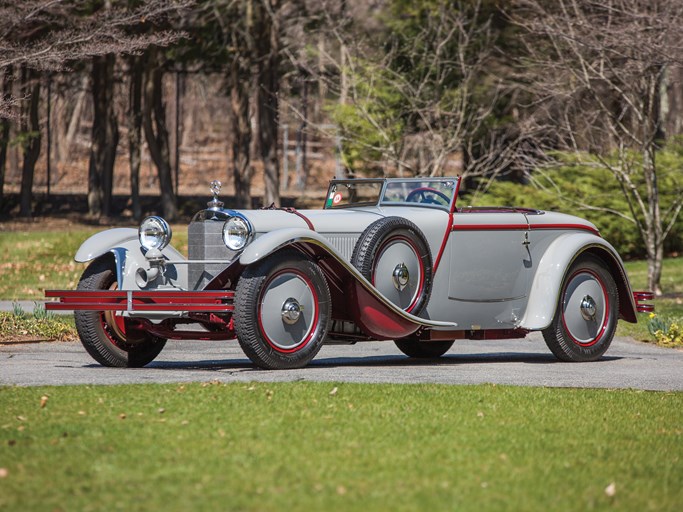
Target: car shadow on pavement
(372, 361)
(448, 360)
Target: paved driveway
(527, 362)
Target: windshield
(343, 194)
(437, 193)
(434, 192)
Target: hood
(323, 221)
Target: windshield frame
(384, 183)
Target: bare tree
(134, 115)
(30, 135)
(49, 35)
(105, 136)
(597, 69)
(267, 28)
(420, 103)
(156, 133)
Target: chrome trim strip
(120, 263)
(365, 283)
(485, 301)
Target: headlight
(154, 233)
(236, 233)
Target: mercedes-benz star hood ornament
(215, 188)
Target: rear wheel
(282, 311)
(586, 314)
(393, 255)
(104, 333)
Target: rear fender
(352, 294)
(129, 256)
(552, 268)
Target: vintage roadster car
(385, 259)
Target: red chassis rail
(639, 297)
(142, 300)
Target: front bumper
(136, 301)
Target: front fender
(276, 240)
(374, 313)
(128, 255)
(103, 242)
(552, 268)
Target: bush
(592, 192)
(41, 325)
(666, 331)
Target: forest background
(117, 109)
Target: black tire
(268, 336)
(586, 314)
(423, 349)
(103, 333)
(406, 239)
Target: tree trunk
(268, 48)
(135, 132)
(75, 122)
(31, 137)
(241, 135)
(154, 115)
(105, 137)
(4, 129)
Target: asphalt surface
(526, 362)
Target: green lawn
(34, 261)
(317, 446)
(670, 306)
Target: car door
(490, 267)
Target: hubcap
(291, 311)
(400, 282)
(401, 276)
(288, 311)
(585, 310)
(588, 308)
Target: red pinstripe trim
(489, 227)
(519, 227)
(566, 226)
(443, 243)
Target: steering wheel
(419, 195)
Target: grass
(40, 325)
(316, 446)
(35, 261)
(670, 306)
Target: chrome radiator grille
(205, 242)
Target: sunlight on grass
(300, 446)
(35, 261)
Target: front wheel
(586, 314)
(282, 311)
(104, 334)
